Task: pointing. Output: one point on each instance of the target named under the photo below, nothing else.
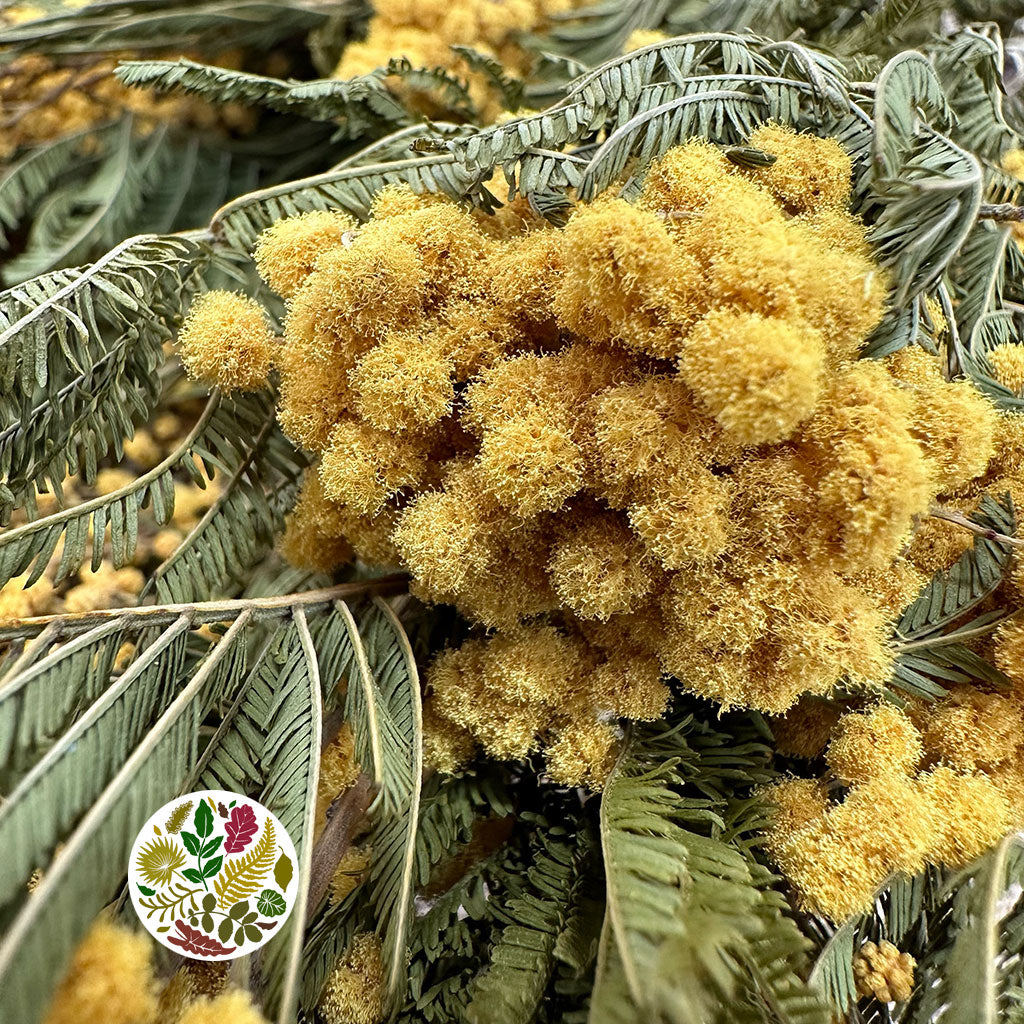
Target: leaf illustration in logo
(177, 818)
(191, 842)
(283, 871)
(240, 829)
(211, 867)
(222, 810)
(271, 903)
(159, 859)
(203, 820)
(192, 940)
(145, 891)
(243, 876)
(211, 847)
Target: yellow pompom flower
(641, 37)
(808, 174)
(110, 979)
(685, 521)
(404, 383)
(874, 744)
(1007, 361)
(234, 1007)
(314, 530)
(797, 804)
(339, 771)
(286, 252)
(804, 731)
(583, 754)
(972, 729)
(685, 178)
(226, 341)
(354, 993)
(363, 466)
(760, 377)
(623, 280)
(971, 814)
(600, 568)
(530, 464)
(1009, 651)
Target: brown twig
(1005, 212)
(343, 819)
(959, 519)
(201, 611)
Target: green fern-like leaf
(86, 873)
(523, 957)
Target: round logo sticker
(212, 875)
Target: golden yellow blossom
(286, 252)
(808, 173)
(18, 601)
(233, 1007)
(882, 971)
(226, 341)
(350, 873)
(110, 978)
(339, 770)
(873, 744)
(760, 377)
(194, 979)
(1007, 362)
(354, 993)
(583, 753)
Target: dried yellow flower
(286, 252)
(110, 979)
(354, 993)
(226, 341)
(882, 971)
(873, 744)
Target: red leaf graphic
(240, 828)
(192, 940)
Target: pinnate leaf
(193, 941)
(244, 876)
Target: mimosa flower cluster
(639, 447)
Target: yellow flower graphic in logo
(159, 859)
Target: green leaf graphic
(239, 910)
(192, 875)
(210, 848)
(283, 871)
(210, 868)
(209, 901)
(191, 842)
(203, 820)
(224, 931)
(146, 891)
(271, 903)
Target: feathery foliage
(498, 896)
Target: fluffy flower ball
(643, 442)
(227, 342)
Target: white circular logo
(212, 875)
